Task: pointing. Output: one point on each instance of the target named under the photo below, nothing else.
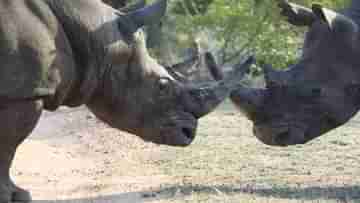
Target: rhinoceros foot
(20, 195)
(9, 192)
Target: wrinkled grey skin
(321, 91)
(92, 54)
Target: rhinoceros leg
(17, 120)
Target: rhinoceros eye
(165, 86)
(309, 92)
(316, 92)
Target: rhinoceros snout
(279, 136)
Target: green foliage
(234, 28)
(192, 7)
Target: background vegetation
(231, 29)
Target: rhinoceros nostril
(188, 132)
(282, 139)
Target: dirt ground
(73, 157)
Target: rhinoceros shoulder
(33, 51)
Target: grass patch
(228, 164)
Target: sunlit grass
(228, 164)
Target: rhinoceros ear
(336, 21)
(147, 15)
(296, 14)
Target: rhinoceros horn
(147, 15)
(249, 100)
(335, 21)
(296, 14)
(214, 69)
(245, 98)
(204, 99)
(270, 75)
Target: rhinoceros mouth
(283, 139)
(279, 135)
(288, 138)
(182, 133)
(188, 132)
(185, 136)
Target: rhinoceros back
(35, 58)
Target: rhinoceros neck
(90, 27)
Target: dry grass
(228, 164)
(225, 164)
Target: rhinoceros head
(143, 98)
(316, 95)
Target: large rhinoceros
(321, 91)
(74, 52)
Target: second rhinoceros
(319, 93)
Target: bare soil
(73, 157)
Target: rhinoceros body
(321, 91)
(75, 52)
(34, 51)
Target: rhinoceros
(321, 91)
(83, 52)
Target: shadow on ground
(343, 193)
(131, 197)
(293, 193)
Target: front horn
(246, 99)
(202, 99)
(296, 14)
